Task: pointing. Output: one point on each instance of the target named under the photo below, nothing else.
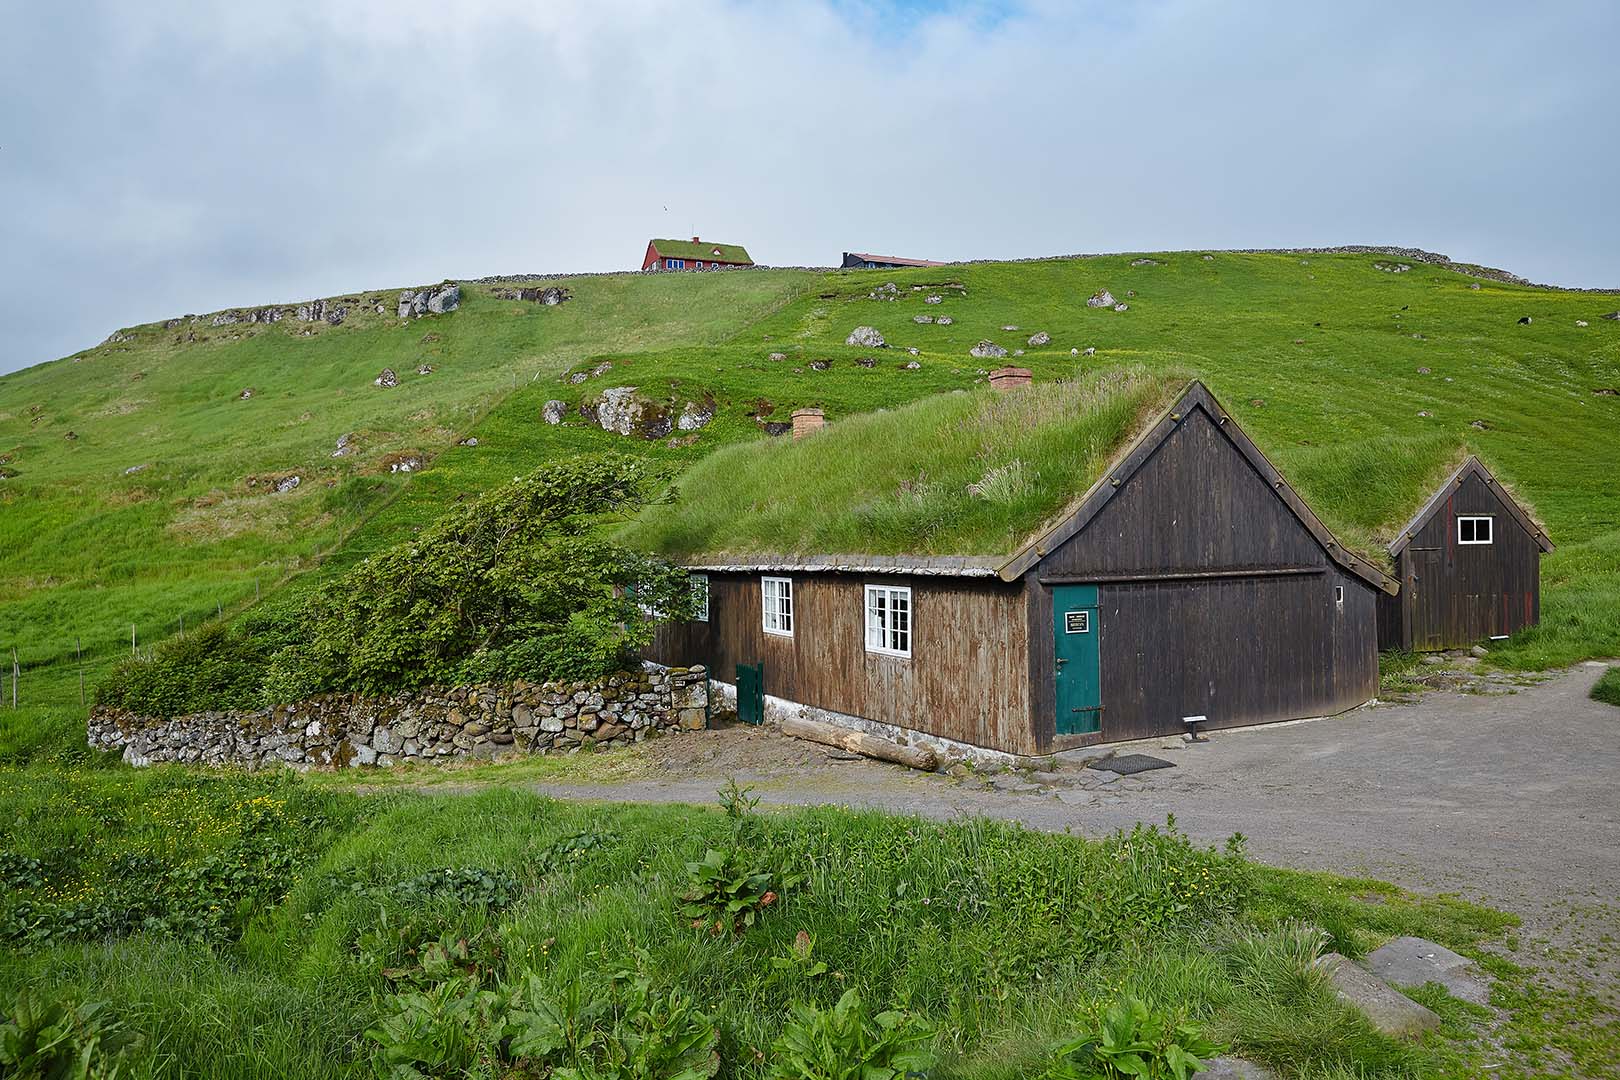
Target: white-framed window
(888, 620)
(1338, 595)
(700, 592)
(1474, 530)
(674, 264)
(700, 264)
(776, 603)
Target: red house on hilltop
(693, 254)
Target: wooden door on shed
(1079, 666)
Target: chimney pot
(695, 240)
(808, 422)
(1010, 378)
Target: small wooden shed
(1469, 566)
(1189, 580)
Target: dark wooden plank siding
(964, 680)
(1197, 504)
(1257, 638)
(1461, 593)
(1238, 650)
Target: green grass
(1607, 689)
(1327, 362)
(1000, 936)
(954, 474)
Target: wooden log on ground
(858, 742)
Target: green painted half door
(1079, 666)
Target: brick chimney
(1009, 378)
(808, 422)
(695, 240)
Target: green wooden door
(1079, 666)
(751, 693)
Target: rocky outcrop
(1040, 338)
(553, 411)
(866, 337)
(343, 730)
(1101, 299)
(320, 311)
(432, 301)
(550, 295)
(386, 378)
(987, 350)
(695, 415)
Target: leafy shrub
(1130, 1040)
(521, 583)
(466, 885)
(51, 1040)
(212, 667)
(727, 893)
(846, 1042)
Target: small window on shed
(1338, 595)
(700, 594)
(888, 620)
(1473, 530)
(776, 604)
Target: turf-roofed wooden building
(1172, 573)
(1469, 567)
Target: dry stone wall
(339, 730)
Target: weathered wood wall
(1214, 600)
(1456, 594)
(965, 679)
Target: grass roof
(702, 249)
(971, 473)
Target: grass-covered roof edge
(1471, 466)
(701, 249)
(1134, 456)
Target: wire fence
(64, 671)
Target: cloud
(182, 157)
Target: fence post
(219, 610)
(78, 652)
(132, 639)
(182, 626)
(14, 674)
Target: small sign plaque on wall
(1077, 622)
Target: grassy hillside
(1362, 384)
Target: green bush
(213, 667)
(49, 1039)
(1130, 1040)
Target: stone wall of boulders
(339, 730)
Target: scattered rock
(71, 436)
(471, 440)
(776, 428)
(1479, 424)
(944, 320)
(1479, 652)
(622, 412)
(695, 415)
(820, 365)
(1524, 320)
(1258, 402)
(911, 365)
(1122, 307)
(1209, 258)
(1101, 299)
(133, 469)
(1130, 294)
(553, 411)
(1414, 961)
(865, 362)
(778, 356)
(1606, 391)
(1611, 315)
(425, 369)
(1474, 286)
(345, 445)
(406, 461)
(866, 337)
(118, 337)
(550, 295)
(319, 311)
(987, 350)
(922, 318)
(1581, 323)
(931, 299)
(1010, 329)
(1425, 412)
(1144, 262)
(1040, 337)
(246, 393)
(1018, 352)
(386, 378)
(1390, 1011)
(1423, 371)
(287, 483)
(1299, 341)
(1089, 350)
(1074, 352)
(914, 352)
(1391, 268)
(1231, 1068)
(433, 301)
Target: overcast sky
(166, 157)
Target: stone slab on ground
(1390, 1011)
(1413, 961)
(1231, 1068)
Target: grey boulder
(1414, 961)
(1391, 1012)
(866, 337)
